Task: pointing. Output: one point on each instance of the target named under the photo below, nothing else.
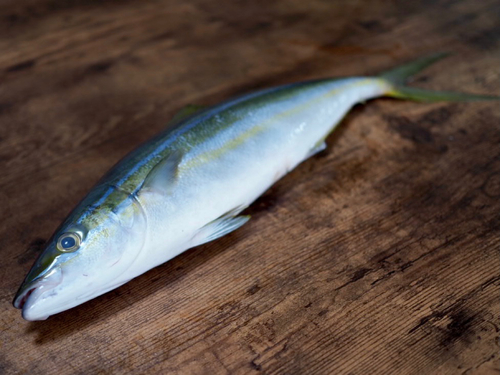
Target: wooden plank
(380, 255)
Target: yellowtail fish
(188, 185)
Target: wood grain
(380, 255)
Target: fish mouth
(20, 299)
(31, 295)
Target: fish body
(188, 185)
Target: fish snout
(30, 296)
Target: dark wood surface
(380, 255)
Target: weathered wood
(379, 255)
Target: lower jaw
(24, 298)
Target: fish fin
(422, 95)
(220, 226)
(397, 77)
(186, 112)
(401, 74)
(318, 147)
(163, 174)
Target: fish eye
(69, 242)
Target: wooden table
(380, 255)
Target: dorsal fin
(185, 112)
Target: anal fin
(318, 147)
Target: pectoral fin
(220, 227)
(163, 175)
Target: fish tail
(397, 78)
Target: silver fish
(188, 185)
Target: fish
(190, 184)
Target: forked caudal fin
(398, 76)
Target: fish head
(86, 257)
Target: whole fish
(188, 185)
